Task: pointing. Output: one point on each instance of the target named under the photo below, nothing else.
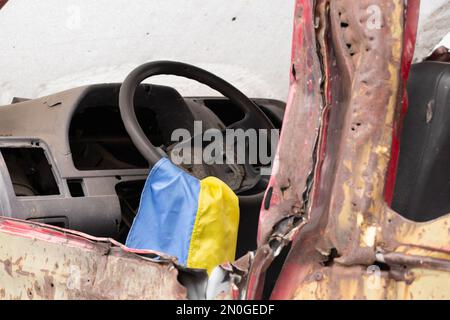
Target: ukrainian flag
(193, 220)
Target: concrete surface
(52, 45)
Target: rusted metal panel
(372, 59)
(358, 60)
(355, 282)
(42, 262)
(288, 187)
(428, 239)
(296, 146)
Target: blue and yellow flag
(193, 220)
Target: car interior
(73, 160)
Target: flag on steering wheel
(191, 219)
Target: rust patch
(48, 291)
(8, 266)
(88, 268)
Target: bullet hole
(330, 258)
(350, 49)
(344, 24)
(233, 19)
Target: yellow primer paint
(432, 234)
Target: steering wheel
(253, 118)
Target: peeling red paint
(412, 20)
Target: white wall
(51, 45)
(433, 27)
